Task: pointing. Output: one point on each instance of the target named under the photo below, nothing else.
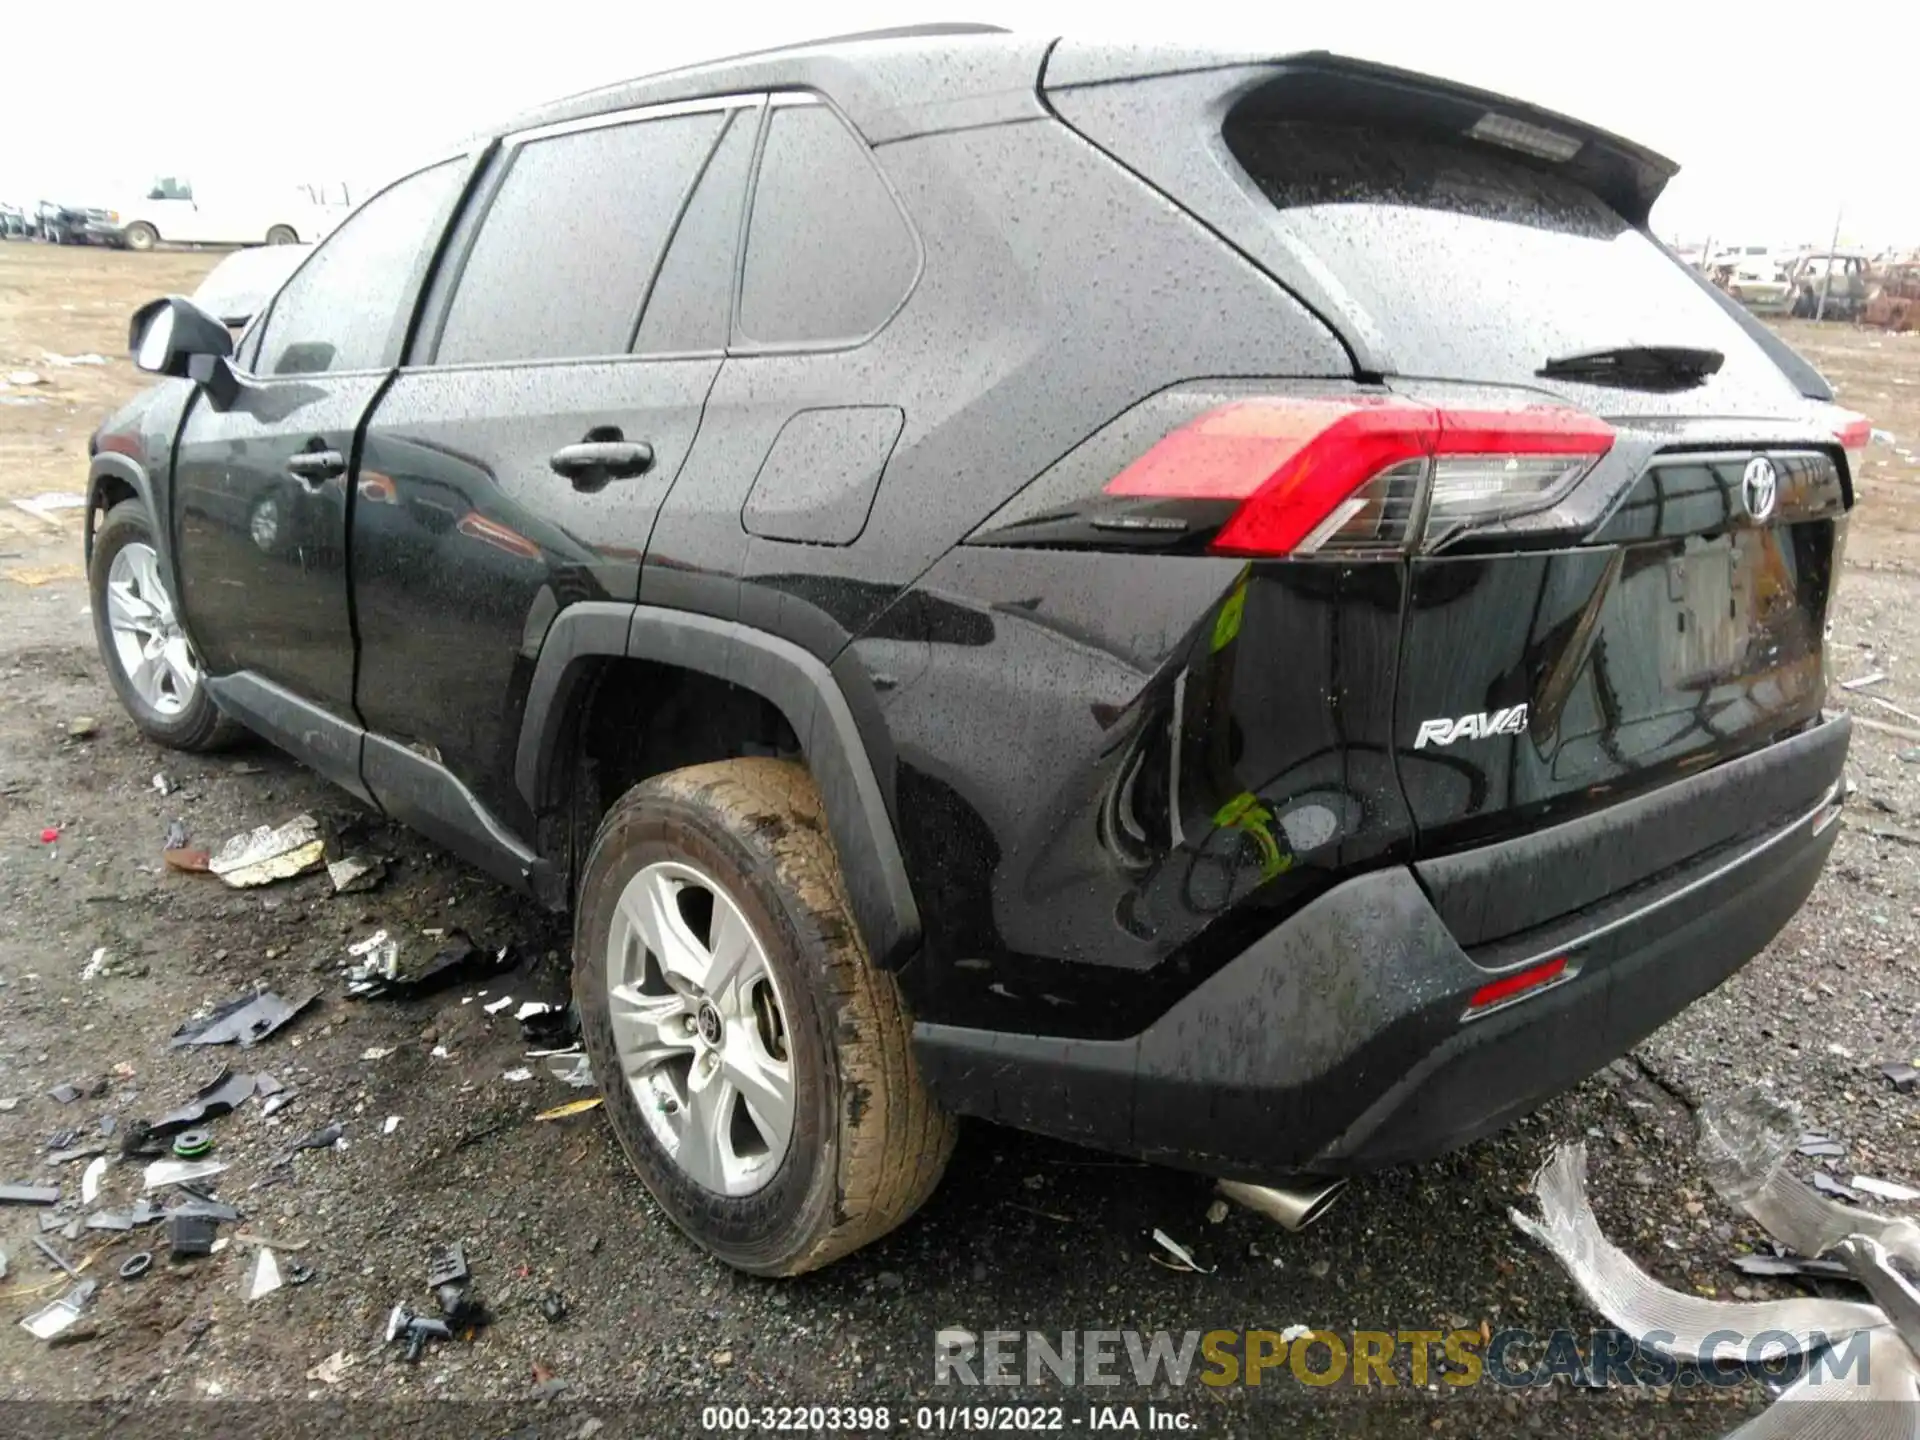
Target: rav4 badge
(1478, 726)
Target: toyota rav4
(1238, 610)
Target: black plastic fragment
(247, 1019)
(553, 1305)
(1820, 1146)
(217, 1099)
(62, 1139)
(1767, 1265)
(29, 1194)
(196, 1207)
(65, 1094)
(1903, 1075)
(553, 1029)
(189, 1236)
(457, 961)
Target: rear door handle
(316, 467)
(592, 463)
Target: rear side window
(1476, 263)
(347, 308)
(692, 298)
(829, 255)
(565, 252)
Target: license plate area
(1711, 592)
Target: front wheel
(141, 236)
(756, 1064)
(148, 657)
(282, 235)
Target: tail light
(1855, 434)
(1372, 473)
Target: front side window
(563, 258)
(347, 308)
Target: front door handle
(593, 462)
(316, 467)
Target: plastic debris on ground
(1180, 1253)
(268, 853)
(515, 1077)
(266, 1275)
(29, 1194)
(190, 1236)
(224, 1095)
(51, 1319)
(552, 1027)
(64, 1094)
(380, 973)
(1901, 1075)
(1884, 1189)
(247, 1019)
(1827, 1185)
(95, 967)
(572, 1108)
(1820, 1146)
(327, 1137)
(572, 1068)
(494, 1007)
(356, 873)
(90, 1181)
(60, 1261)
(393, 1124)
(163, 1173)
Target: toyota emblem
(1759, 487)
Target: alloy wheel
(147, 639)
(700, 1029)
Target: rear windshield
(1477, 264)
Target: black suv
(1237, 610)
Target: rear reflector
(1370, 473)
(1520, 982)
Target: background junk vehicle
(985, 619)
(175, 210)
(1833, 287)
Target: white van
(175, 210)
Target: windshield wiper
(1637, 367)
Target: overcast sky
(1773, 129)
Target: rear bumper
(1337, 1043)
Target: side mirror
(174, 336)
(168, 336)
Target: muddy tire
(141, 236)
(152, 667)
(731, 864)
(282, 235)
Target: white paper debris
(177, 1172)
(532, 1008)
(393, 1124)
(1296, 1332)
(376, 1052)
(330, 1370)
(1180, 1252)
(494, 1007)
(268, 853)
(516, 1076)
(1883, 1189)
(96, 965)
(266, 1275)
(90, 1181)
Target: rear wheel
(148, 657)
(282, 235)
(141, 236)
(756, 1063)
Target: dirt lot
(1024, 1234)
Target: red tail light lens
(1369, 473)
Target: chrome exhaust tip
(1291, 1207)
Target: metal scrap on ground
(268, 853)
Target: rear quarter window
(829, 255)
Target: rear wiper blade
(1637, 367)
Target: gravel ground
(1024, 1234)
